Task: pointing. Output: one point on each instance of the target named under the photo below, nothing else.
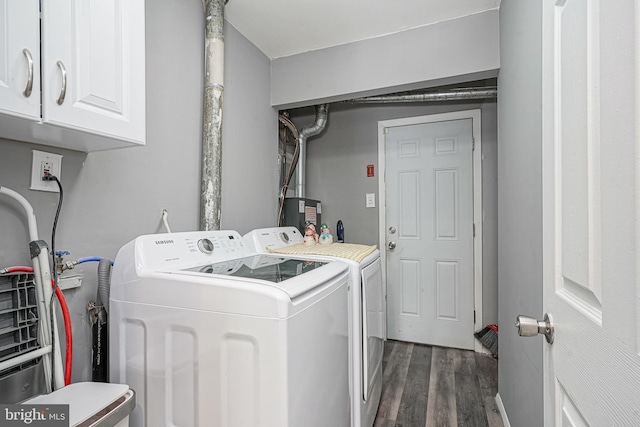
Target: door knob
(392, 245)
(392, 230)
(530, 327)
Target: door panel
(19, 41)
(445, 206)
(101, 45)
(591, 212)
(447, 290)
(429, 201)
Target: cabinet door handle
(29, 87)
(63, 89)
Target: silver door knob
(530, 327)
(392, 230)
(392, 245)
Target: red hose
(67, 331)
(65, 315)
(19, 269)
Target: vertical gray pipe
(322, 112)
(211, 187)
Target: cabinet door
(20, 58)
(95, 50)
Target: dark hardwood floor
(425, 386)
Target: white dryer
(209, 334)
(367, 314)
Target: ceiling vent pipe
(211, 175)
(322, 112)
(445, 95)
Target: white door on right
(429, 221)
(591, 211)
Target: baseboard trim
(503, 412)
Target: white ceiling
(288, 27)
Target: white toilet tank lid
(85, 399)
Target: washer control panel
(263, 239)
(164, 252)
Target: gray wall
(250, 139)
(111, 197)
(447, 52)
(336, 174)
(520, 208)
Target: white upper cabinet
(93, 73)
(20, 58)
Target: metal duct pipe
(447, 95)
(322, 112)
(211, 175)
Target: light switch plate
(371, 200)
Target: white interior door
(429, 222)
(591, 223)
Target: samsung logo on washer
(164, 242)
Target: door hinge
(386, 131)
(473, 144)
(474, 229)
(474, 317)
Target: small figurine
(312, 226)
(310, 235)
(325, 236)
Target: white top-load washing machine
(209, 334)
(367, 319)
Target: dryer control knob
(205, 246)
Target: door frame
(475, 115)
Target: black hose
(100, 349)
(55, 281)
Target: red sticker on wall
(370, 171)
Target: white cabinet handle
(63, 89)
(29, 87)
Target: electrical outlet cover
(52, 161)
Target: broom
(488, 337)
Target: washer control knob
(205, 246)
(285, 237)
